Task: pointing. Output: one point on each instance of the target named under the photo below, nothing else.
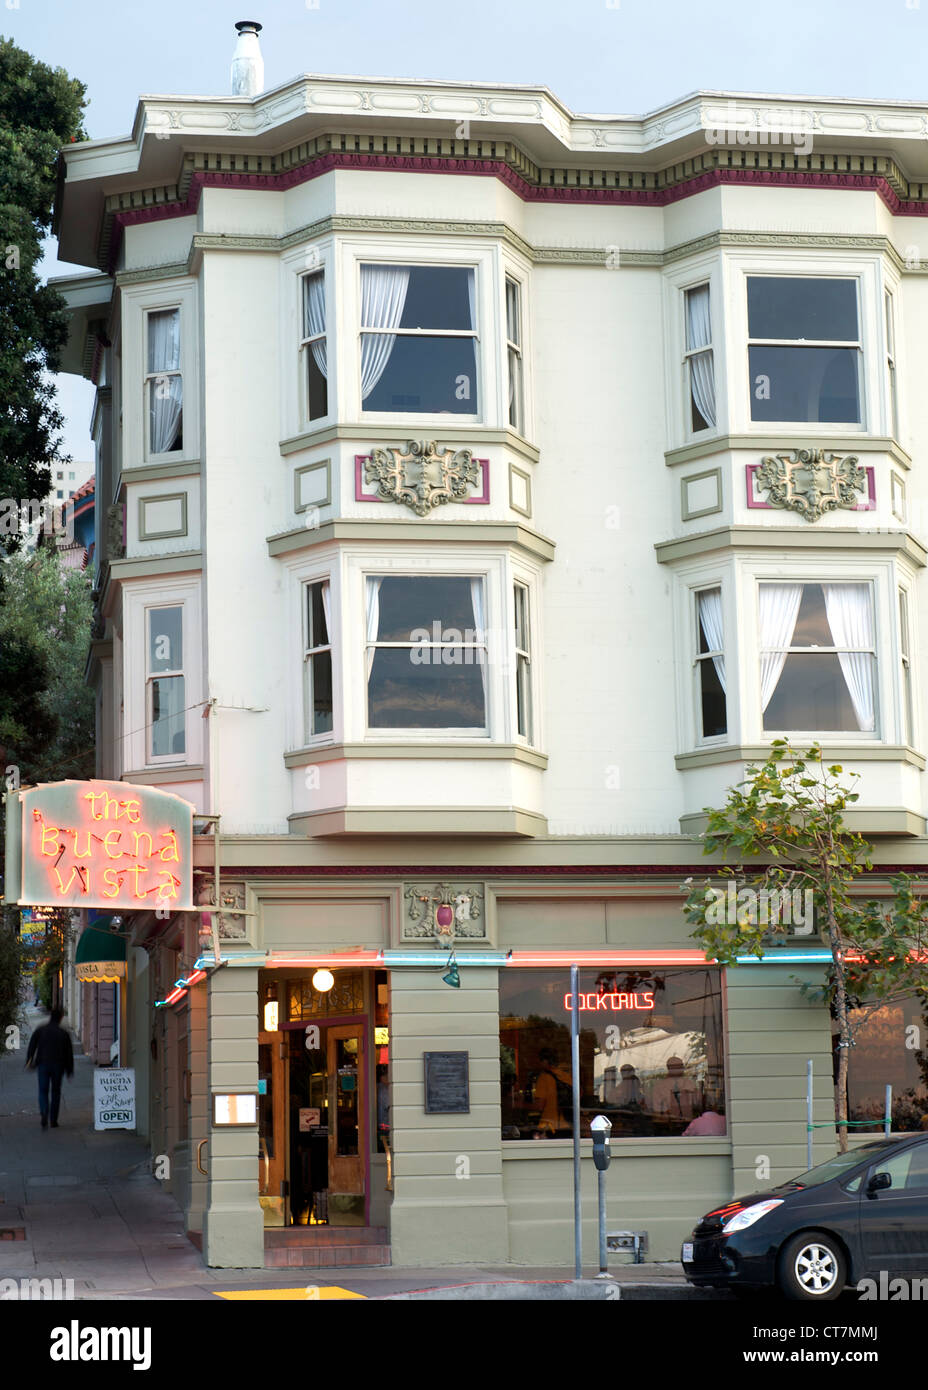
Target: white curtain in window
(850, 617)
(779, 609)
(480, 624)
(710, 615)
(373, 617)
(165, 392)
(314, 317)
(327, 610)
(472, 299)
(699, 335)
(383, 297)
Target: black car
(860, 1213)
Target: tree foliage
(789, 814)
(40, 110)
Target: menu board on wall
(447, 1083)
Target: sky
(598, 56)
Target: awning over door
(101, 954)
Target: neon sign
(617, 1003)
(104, 844)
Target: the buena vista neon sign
(103, 844)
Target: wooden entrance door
(348, 1138)
(272, 1133)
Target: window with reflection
(426, 652)
(804, 349)
(891, 1049)
(651, 1052)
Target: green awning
(100, 957)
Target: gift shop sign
(114, 1098)
(99, 844)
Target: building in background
(490, 485)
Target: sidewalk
(90, 1211)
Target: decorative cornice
(151, 272)
(398, 532)
(786, 538)
(146, 566)
(506, 161)
(147, 472)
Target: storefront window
(345, 997)
(890, 1050)
(651, 1055)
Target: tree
(789, 814)
(40, 110)
(46, 710)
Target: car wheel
(812, 1267)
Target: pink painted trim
(529, 193)
(754, 505)
(361, 496)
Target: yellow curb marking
(311, 1293)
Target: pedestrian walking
(51, 1054)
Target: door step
(317, 1247)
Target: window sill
(331, 752)
(834, 752)
(875, 820)
(633, 1147)
(825, 438)
(176, 772)
(399, 434)
(507, 821)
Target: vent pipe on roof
(247, 63)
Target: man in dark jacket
(50, 1047)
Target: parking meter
(601, 1128)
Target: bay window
(804, 349)
(164, 383)
(710, 663)
(418, 339)
(817, 657)
(426, 653)
(313, 348)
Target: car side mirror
(879, 1182)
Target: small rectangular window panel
(164, 383)
(710, 663)
(167, 719)
(523, 664)
(313, 346)
(317, 660)
(804, 350)
(514, 354)
(426, 653)
(817, 657)
(907, 708)
(418, 339)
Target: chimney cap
(249, 24)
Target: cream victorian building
(480, 488)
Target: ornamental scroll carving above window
(421, 476)
(812, 482)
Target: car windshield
(839, 1165)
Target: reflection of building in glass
(890, 1051)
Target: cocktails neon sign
(105, 844)
(617, 1003)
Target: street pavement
(91, 1212)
